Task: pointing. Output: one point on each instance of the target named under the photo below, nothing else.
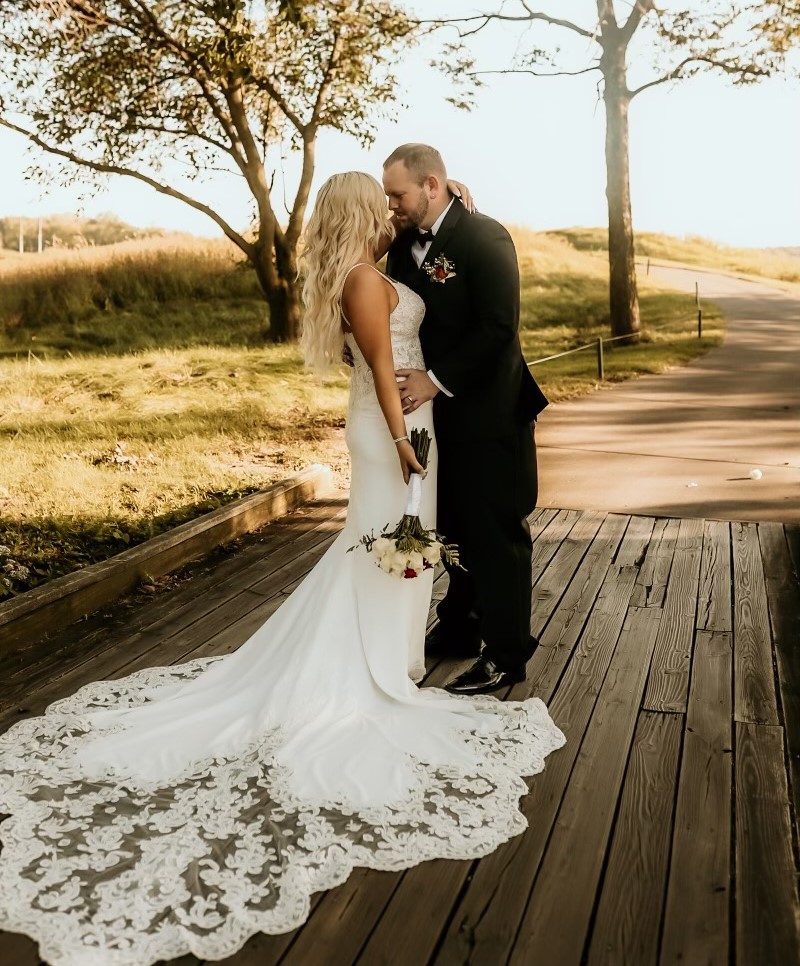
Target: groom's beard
(415, 218)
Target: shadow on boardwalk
(663, 832)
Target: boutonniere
(440, 269)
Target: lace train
(106, 874)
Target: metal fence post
(601, 374)
(699, 310)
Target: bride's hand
(408, 461)
(462, 191)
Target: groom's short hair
(421, 160)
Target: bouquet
(409, 549)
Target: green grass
(694, 251)
(155, 293)
(565, 305)
(119, 422)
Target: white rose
(433, 553)
(416, 562)
(381, 545)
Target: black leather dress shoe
(483, 676)
(442, 643)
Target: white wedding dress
(237, 786)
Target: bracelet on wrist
(399, 439)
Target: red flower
(440, 272)
(409, 572)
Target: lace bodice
(404, 323)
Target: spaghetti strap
(369, 265)
(375, 269)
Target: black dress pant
(486, 490)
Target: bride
(183, 809)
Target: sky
(707, 158)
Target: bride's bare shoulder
(367, 289)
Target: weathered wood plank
(548, 540)
(766, 885)
(486, 919)
(138, 612)
(793, 541)
(754, 679)
(539, 519)
(783, 599)
(696, 922)
(343, 922)
(57, 603)
(651, 584)
(625, 931)
(638, 536)
(566, 624)
(714, 594)
(439, 882)
(550, 587)
(191, 610)
(560, 907)
(151, 648)
(668, 685)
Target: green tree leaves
(124, 86)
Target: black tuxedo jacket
(470, 333)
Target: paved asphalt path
(684, 442)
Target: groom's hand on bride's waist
(416, 387)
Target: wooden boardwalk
(663, 832)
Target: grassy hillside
(171, 292)
(772, 263)
(137, 391)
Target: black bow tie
(423, 235)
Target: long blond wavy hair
(350, 217)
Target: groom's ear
(435, 185)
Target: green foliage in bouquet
(409, 536)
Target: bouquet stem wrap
(414, 495)
(409, 549)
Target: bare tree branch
(535, 73)
(265, 84)
(640, 10)
(183, 132)
(163, 189)
(527, 17)
(726, 66)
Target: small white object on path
(636, 446)
(756, 474)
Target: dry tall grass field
(770, 263)
(137, 389)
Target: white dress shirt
(418, 251)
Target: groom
(464, 267)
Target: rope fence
(600, 341)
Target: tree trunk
(278, 279)
(623, 293)
(285, 313)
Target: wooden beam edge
(26, 618)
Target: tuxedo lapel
(444, 233)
